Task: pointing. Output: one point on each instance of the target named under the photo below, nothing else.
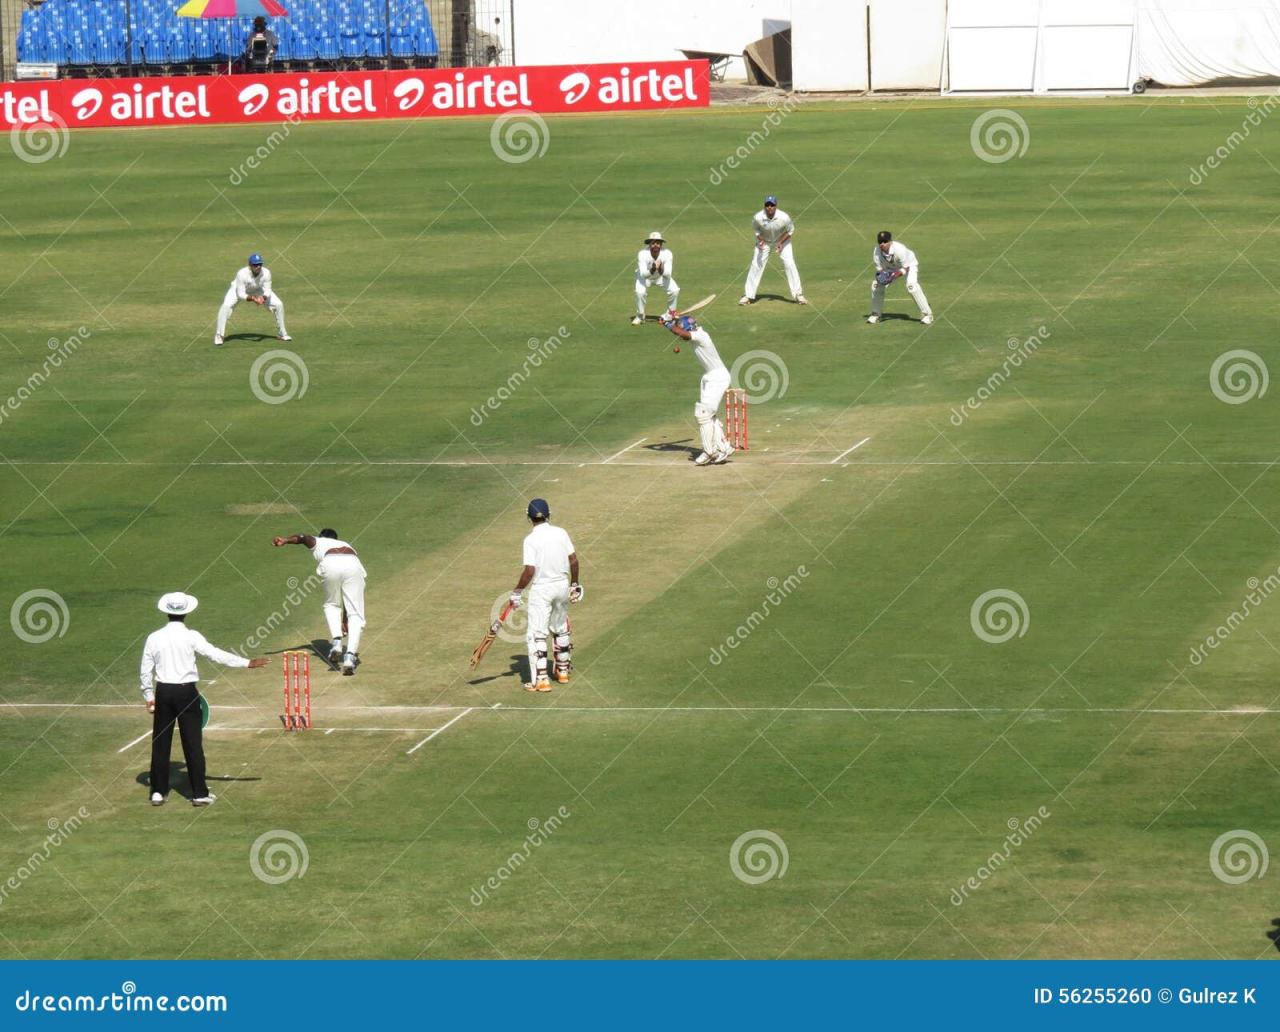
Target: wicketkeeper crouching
(893, 259)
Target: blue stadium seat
(95, 32)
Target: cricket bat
(697, 306)
(483, 647)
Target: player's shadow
(256, 338)
(675, 446)
(1274, 932)
(896, 316)
(774, 297)
(513, 670)
(180, 784)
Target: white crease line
(328, 731)
(93, 705)
(848, 450)
(624, 450)
(439, 730)
(145, 734)
(757, 458)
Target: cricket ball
(676, 349)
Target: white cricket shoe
(744, 300)
(723, 455)
(926, 319)
(284, 336)
(801, 299)
(637, 320)
(217, 340)
(349, 664)
(157, 799)
(204, 800)
(335, 651)
(703, 459)
(873, 319)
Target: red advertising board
(322, 96)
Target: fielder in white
(654, 265)
(893, 258)
(774, 230)
(252, 283)
(716, 448)
(551, 575)
(343, 575)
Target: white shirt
(705, 351)
(771, 230)
(169, 655)
(900, 256)
(247, 285)
(665, 259)
(326, 545)
(547, 549)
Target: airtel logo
(86, 103)
(409, 93)
(254, 98)
(575, 86)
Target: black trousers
(180, 704)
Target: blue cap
(255, 258)
(539, 509)
(771, 199)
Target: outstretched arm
(294, 539)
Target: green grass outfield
(860, 719)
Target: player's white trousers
(344, 589)
(913, 288)
(760, 258)
(707, 411)
(665, 282)
(548, 614)
(230, 301)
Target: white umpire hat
(177, 603)
(655, 235)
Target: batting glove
(515, 600)
(575, 592)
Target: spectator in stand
(260, 47)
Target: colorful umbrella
(231, 9)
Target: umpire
(169, 688)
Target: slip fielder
(344, 575)
(774, 230)
(252, 283)
(716, 448)
(551, 574)
(893, 258)
(654, 265)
